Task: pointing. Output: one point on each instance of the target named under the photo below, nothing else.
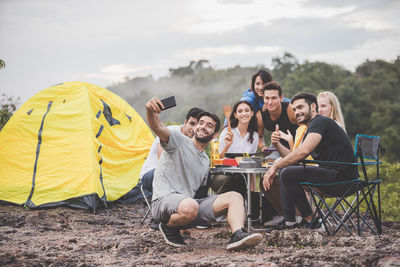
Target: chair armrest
(304, 161)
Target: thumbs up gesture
(276, 135)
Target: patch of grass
(390, 188)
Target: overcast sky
(44, 42)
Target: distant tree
(283, 66)
(183, 71)
(369, 97)
(2, 64)
(200, 64)
(372, 98)
(314, 77)
(192, 68)
(8, 106)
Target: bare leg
(187, 212)
(233, 202)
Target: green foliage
(8, 105)
(205, 87)
(390, 188)
(369, 97)
(192, 68)
(370, 102)
(2, 64)
(283, 66)
(5, 115)
(314, 77)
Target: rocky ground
(115, 237)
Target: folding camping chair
(358, 213)
(146, 200)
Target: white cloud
(100, 41)
(368, 20)
(117, 72)
(210, 52)
(209, 16)
(385, 49)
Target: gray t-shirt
(183, 169)
(152, 158)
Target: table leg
(248, 203)
(247, 179)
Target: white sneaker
(274, 221)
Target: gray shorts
(163, 207)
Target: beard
(306, 117)
(189, 133)
(204, 139)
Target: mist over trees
(8, 105)
(369, 96)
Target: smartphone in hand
(168, 102)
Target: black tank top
(283, 121)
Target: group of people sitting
(177, 168)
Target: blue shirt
(249, 96)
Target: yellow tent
(72, 144)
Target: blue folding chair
(362, 212)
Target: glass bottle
(214, 151)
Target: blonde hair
(336, 112)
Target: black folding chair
(363, 209)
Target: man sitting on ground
(187, 128)
(183, 167)
(149, 166)
(325, 140)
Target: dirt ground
(115, 237)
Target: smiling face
(258, 86)
(272, 100)
(243, 113)
(188, 127)
(325, 107)
(302, 111)
(205, 129)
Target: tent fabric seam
(100, 162)
(28, 201)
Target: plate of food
(222, 166)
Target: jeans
(292, 193)
(147, 180)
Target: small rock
(388, 261)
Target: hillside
(369, 96)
